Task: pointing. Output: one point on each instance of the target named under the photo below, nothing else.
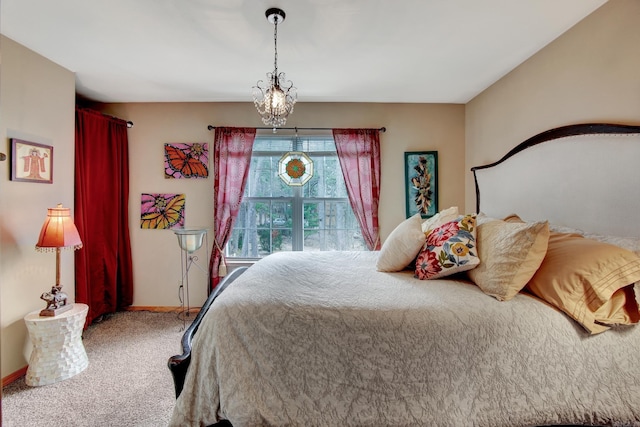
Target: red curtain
(231, 161)
(104, 273)
(359, 156)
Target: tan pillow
(589, 280)
(442, 217)
(510, 254)
(402, 245)
(512, 218)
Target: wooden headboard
(584, 176)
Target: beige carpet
(127, 382)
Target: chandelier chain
(275, 45)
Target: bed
(329, 339)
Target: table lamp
(58, 231)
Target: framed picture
(162, 211)
(186, 160)
(31, 162)
(421, 182)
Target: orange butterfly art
(162, 210)
(188, 160)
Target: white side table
(58, 352)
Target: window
(275, 217)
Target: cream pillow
(402, 245)
(510, 253)
(442, 217)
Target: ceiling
(441, 51)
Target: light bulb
(277, 100)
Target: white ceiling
(444, 51)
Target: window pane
(327, 181)
(281, 214)
(262, 227)
(281, 144)
(319, 144)
(278, 187)
(331, 225)
(263, 180)
(334, 240)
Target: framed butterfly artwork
(162, 211)
(186, 160)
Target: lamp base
(50, 312)
(56, 302)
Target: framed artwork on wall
(31, 162)
(186, 160)
(421, 182)
(162, 211)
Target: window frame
(297, 199)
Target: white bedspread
(323, 339)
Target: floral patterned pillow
(449, 249)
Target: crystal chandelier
(275, 98)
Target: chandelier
(274, 99)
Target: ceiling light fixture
(275, 99)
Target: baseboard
(15, 376)
(160, 309)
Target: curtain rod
(211, 127)
(129, 122)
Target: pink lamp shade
(58, 231)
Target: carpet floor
(127, 382)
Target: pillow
(512, 218)
(481, 218)
(402, 245)
(510, 254)
(450, 248)
(589, 280)
(440, 218)
(629, 243)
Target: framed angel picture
(31, 162)
(421, 182)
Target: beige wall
(156, 256)
(589, 74)
(37, 99)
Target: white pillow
(402, 245)
(442, 217)
(630, 243)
